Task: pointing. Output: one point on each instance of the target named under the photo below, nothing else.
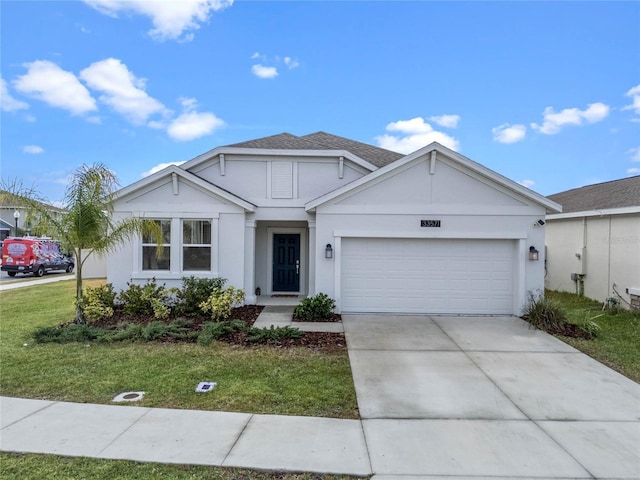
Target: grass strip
(20, 466)
(617, 344)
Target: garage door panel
(427, 276)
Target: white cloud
(507, 133)
(633, 171)
(448, 121)
(261, 71)
(160, 166)
(32, 149)
(191, 124)
(527, 183)
(172, 20)
(413, 135)
(554, 121)
(634, 93)
(635, 154)
(121, 90)
(291, 63)
(46, 81)
(7, 102)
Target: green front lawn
(618, 342)
(269, 380)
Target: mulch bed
(567, 330)
(247, 314)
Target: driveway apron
(488, 397)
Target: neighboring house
(5, 229)
(429, 232)
(8, 209)
(593, 247)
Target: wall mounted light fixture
(328, 251)
(533, 254)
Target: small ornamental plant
(221, 302)
(315, 309)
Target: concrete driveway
(488, 397)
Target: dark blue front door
(286, 262)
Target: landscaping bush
(195, 291)
(221, 302)
(67, 334)
(98, 302)
(149, 299)
(273, 334)
(545, 314)
(212, 331)
(315, 309)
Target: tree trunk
(80, 318)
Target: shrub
(148, 299)
(317, 308)
(545, 314)
(67, 334)
(273, 334)
(98, 302)
(221, 302)
(158, 330)
(214, 330)
(195, 291)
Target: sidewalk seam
(30, 414)
(224, 460)
(148, 409)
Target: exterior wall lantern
(533, 254)
(16, 216)
(328, 251)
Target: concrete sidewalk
(266, 442)
(20, 283)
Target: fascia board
(260, 152)
(595, 213)
(466, 162)
(171, 169)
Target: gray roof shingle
(323, 141)
(614, 194)
(375, 155)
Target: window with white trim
(196, 245)
(150, 258)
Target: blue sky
(545, 93)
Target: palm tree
(86, 225)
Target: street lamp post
(16, 216)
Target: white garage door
(427, 276)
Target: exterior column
(250, 262)
(311, 290)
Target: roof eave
(278, 153)
(173, 169)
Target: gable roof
(600, 196)
(377, 156)
(282, 141)
(550, 205)
(188, 176)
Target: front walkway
(440, 398)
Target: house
(593, 247)
(429, 232)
